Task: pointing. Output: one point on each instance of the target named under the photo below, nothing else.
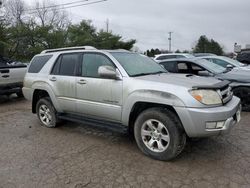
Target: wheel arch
(41, 90)
(141, 106)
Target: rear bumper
(194, 120)
(6, 89)
(28, 93)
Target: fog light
(220, 124)
(210, 125)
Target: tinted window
(66, 64)
(91, 62)
(182, 67)
(38, 62)
(196, 69)
(170, 66)
(180, 56)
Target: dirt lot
(75, 155)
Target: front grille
(226, 94)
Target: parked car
(11, 77)
(226, 62)
(244, 57)
(239, 79)
(128, 91)
(172, 56)
(203, 54)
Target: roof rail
(69, 48)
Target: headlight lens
(208, 97)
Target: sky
(148, 21)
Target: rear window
(38, 62)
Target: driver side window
(91, 63)
(195, 69)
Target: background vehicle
(122, 90)
(226, 62)
(172, 56)
(244, 57)
(11, 77)
(203, 54)
(239, 79)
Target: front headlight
(206, 96)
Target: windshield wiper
(150, 73)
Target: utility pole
(170, 39)
(107, 24)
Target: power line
(76, 5)
(58, 5)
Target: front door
(98, 97)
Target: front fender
(150, 96)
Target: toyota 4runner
(128, 91)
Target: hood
(185, 80)
(236, 75)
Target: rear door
(63, 80)
(99, 97)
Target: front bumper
(194, 120)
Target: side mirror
(109, 72)
(204, 73)
(230, 66)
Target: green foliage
(25, 39)
(86, 34)
(204, 45)
(153, 52)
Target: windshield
(137, 64)
(233, 62)
(212, 67)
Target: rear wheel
(19, 94)
(159, 134)
(46, 113)
(244, 94)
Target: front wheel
(244, 94)
(46, 113)
(19, 94)
(159, 134)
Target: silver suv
(121, 90)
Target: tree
(27, 31)
(86, 34)
(204, 45)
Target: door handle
(6, 76)
(53, 79)
(82, 82)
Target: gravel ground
(76, 156)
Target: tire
(46, 113)
(19, 94)
(244, 94)
(163, 138)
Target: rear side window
(170, 66)
(66, 64)
(38, 62)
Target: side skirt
(108, 125)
